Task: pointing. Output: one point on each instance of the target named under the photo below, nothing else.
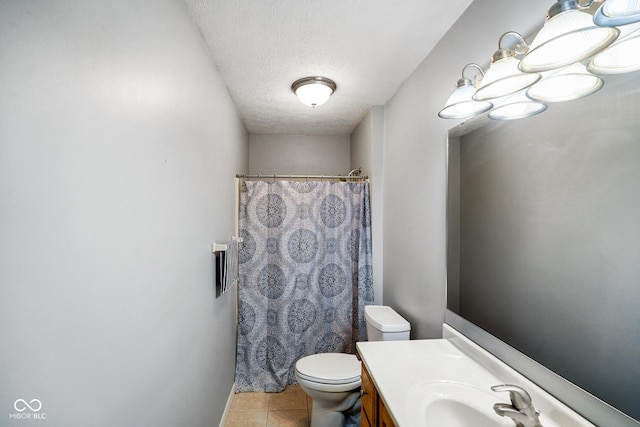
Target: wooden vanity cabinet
(384, 419)
(369, 411)
(373, 412)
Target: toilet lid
(330, 368)
(385, 319)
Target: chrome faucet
(521, 409)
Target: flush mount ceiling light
(516, 107)
(621, 57)
(503, 76)
(617, 12)
(313, 91)
(568, 36)
(460, 104)
(571, 83)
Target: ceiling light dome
(571, 83)
(461, 104)
(503, 76)
(568, 36)
(313, 91)
(621, 57)
(617, 12)
(516, 107)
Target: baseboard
(223, 420)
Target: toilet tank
(384, 324)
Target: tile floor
(290, 408)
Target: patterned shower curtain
(305, 276)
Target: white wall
(118, 150)
(299, 154)
(415, 159)
(366, 152)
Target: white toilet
(332, 380)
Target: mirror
(544, 237)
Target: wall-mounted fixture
(566, 85)
(578, 42)
(503, 76)
(461, 104)
(516, 107)
(617, 12)
(313, 91)
(569, 35)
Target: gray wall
(299, 154)
(415, 160)
(366, 152)
(118, 150)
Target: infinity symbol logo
(21, 405)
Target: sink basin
(452, 413)
(451, 404)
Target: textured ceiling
(368, 47)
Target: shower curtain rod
(320, 177)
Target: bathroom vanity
(445, 382)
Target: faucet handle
(520, 399)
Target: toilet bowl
(332, 380)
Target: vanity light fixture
(503, 76)
(460, 104)
(568, 36)
(517, 106)
(621, 57)
(617, 12)
(566, 85)
(313, 91)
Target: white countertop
(400, 369)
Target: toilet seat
(330, 368)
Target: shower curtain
(305, 276)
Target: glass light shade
(460, 104)
(503, 78)
(314, 94)
(617, 12)
(313, 91)
(621, 57)
(565, 38)
(517, 107)
(571, 83)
